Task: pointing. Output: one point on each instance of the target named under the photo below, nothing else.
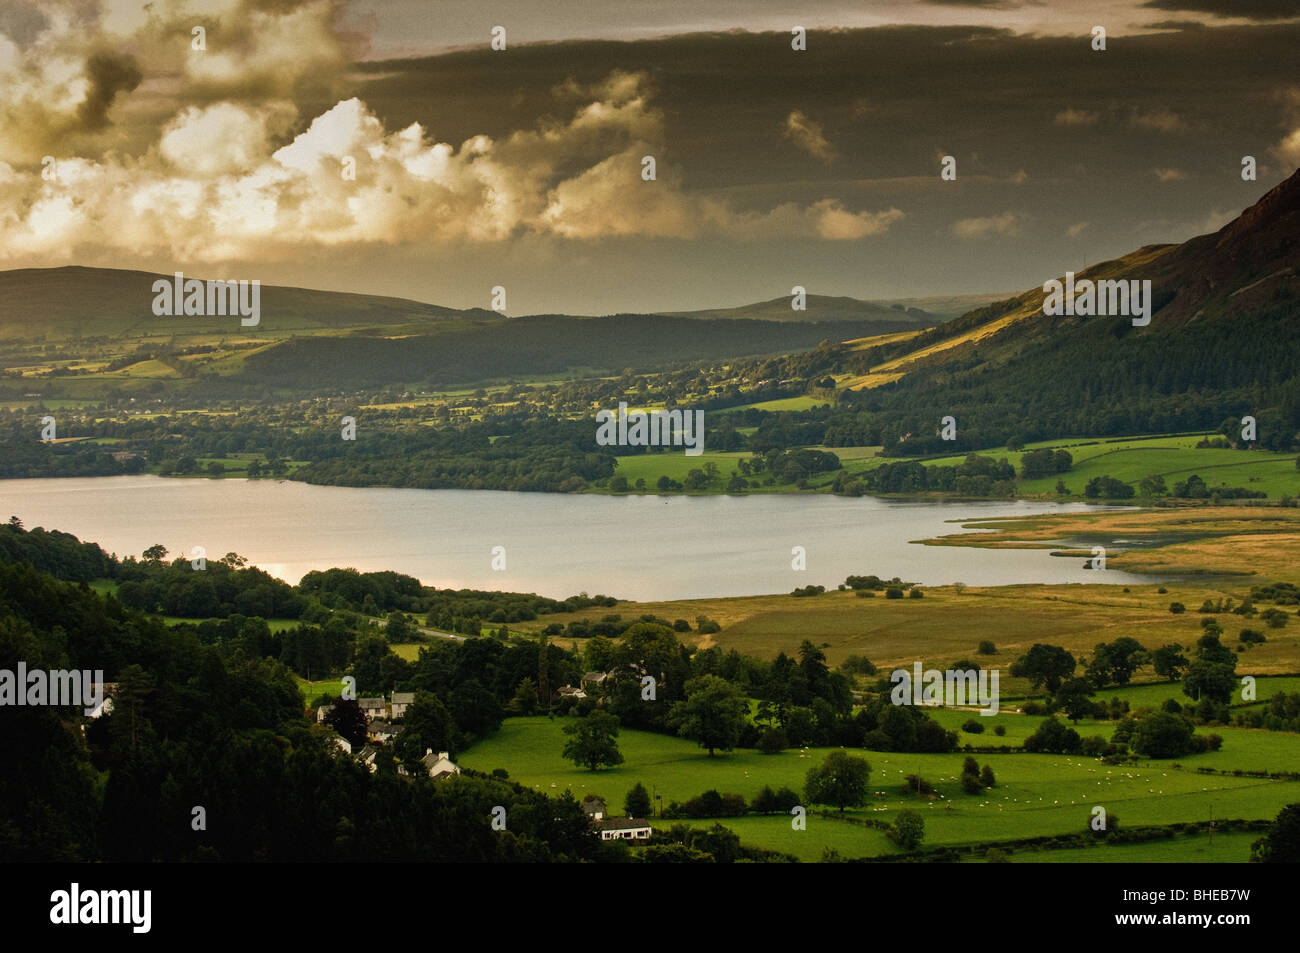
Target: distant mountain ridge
(78, 300)
(817, 308)
(74, 300)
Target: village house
(401, 702)
(367, 757)
(623, 828)
(373, 708)
(439, 765)
(594, 807)
(381, 731)
(104, 692)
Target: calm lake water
(638, 547)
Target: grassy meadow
(1035, 794)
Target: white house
(439, 765)
(402, 701)
(104, 692)
(367, 757)
(623, 828)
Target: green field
(312, 690)
(781, 404)
(675, 465)
(275, 625)
(1232, 847)
(104, 587)
(1035, 794)
(1131, 459)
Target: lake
(633, 547)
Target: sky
(383, 146)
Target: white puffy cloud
(1158, 120)
(1077, 117)
(808, 136)
(222, 183)
(1288, 150)
(1007, 225)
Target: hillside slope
(1243, 271)
(107, 302)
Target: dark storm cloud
(1245, 9)
(886, 99)
(21, 22)
(109, 75)
(890, 102)
(1176, 25)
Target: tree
(349, 720)
(399, 628)
(1281, 845)
(1153, 486)
(543, 674)
(1115, 662)
(525, 700)
(591, 741)
(713, 714)
(1054, 737)
(772, 741)
(1107, 487)
(428, 719)
(909, 830)
(812, 663)
(986, 777)
(1162, 735)
(135, 685)
(1073, 699)
(637, 802)
(841, 780)
(1169, 661)
(156, 553)
(1212, 680)
(1213, 674)
(1044, 665)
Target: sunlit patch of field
(1210, 540)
